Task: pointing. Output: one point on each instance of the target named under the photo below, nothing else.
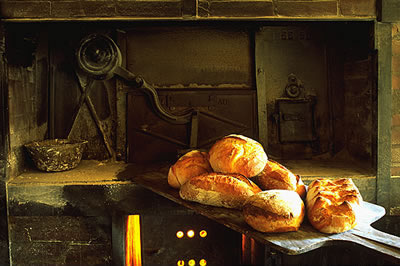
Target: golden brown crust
(191, 164)
(238, 154)
(276, 176)
(333, 205)
(300, 187)
(274, 211)
(222, 190)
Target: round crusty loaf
(275, 210)
(238, 154)
(276, 176)
(221, 190)
(191, 164)
(333, 205)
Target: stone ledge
(92, 189)
(102, 189)
(96, 188)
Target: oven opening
(183, 238)
(307, 92)
(133, 246)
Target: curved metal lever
(142, 85)
(99, 56)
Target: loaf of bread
(191, 164)
(276, 176)
(238, 154)
(333, 205)
(221, 190)
(274, 210)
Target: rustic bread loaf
(333, 205)
(276, 176)
(216, 189)
(238, 154)
(191, 164)
(275, 210)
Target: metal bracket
(85, 98)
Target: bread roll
(238, 154)
(276, 176)
(275, 210)
(222, 190)
(191, 164)
(333, 205)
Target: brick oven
(316, 82)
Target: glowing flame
(203, 233)
(203, 262)
(190, 233)
(133, 249)
(180, 234)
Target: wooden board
(292, 243)
(364, 229)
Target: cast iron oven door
(296, 120)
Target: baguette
(221, 190)
(238, 154)
(191, 164)
(274, 210)
(333, 205)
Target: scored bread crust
(221, 190)
(274, 210)
(276, 176)
(333, 205)
(191, 164)
(237, 154)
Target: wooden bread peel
(304, 240)
(373, 213)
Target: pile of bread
(236, 173)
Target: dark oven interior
(305, 90)
(315, 96)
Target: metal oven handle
(99, 57)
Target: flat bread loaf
(274, 210)
(191, 164)
(238, 154)
(333, 205)
(221, 190)
(276, 176)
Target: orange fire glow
(133, 249)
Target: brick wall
(67, 9)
